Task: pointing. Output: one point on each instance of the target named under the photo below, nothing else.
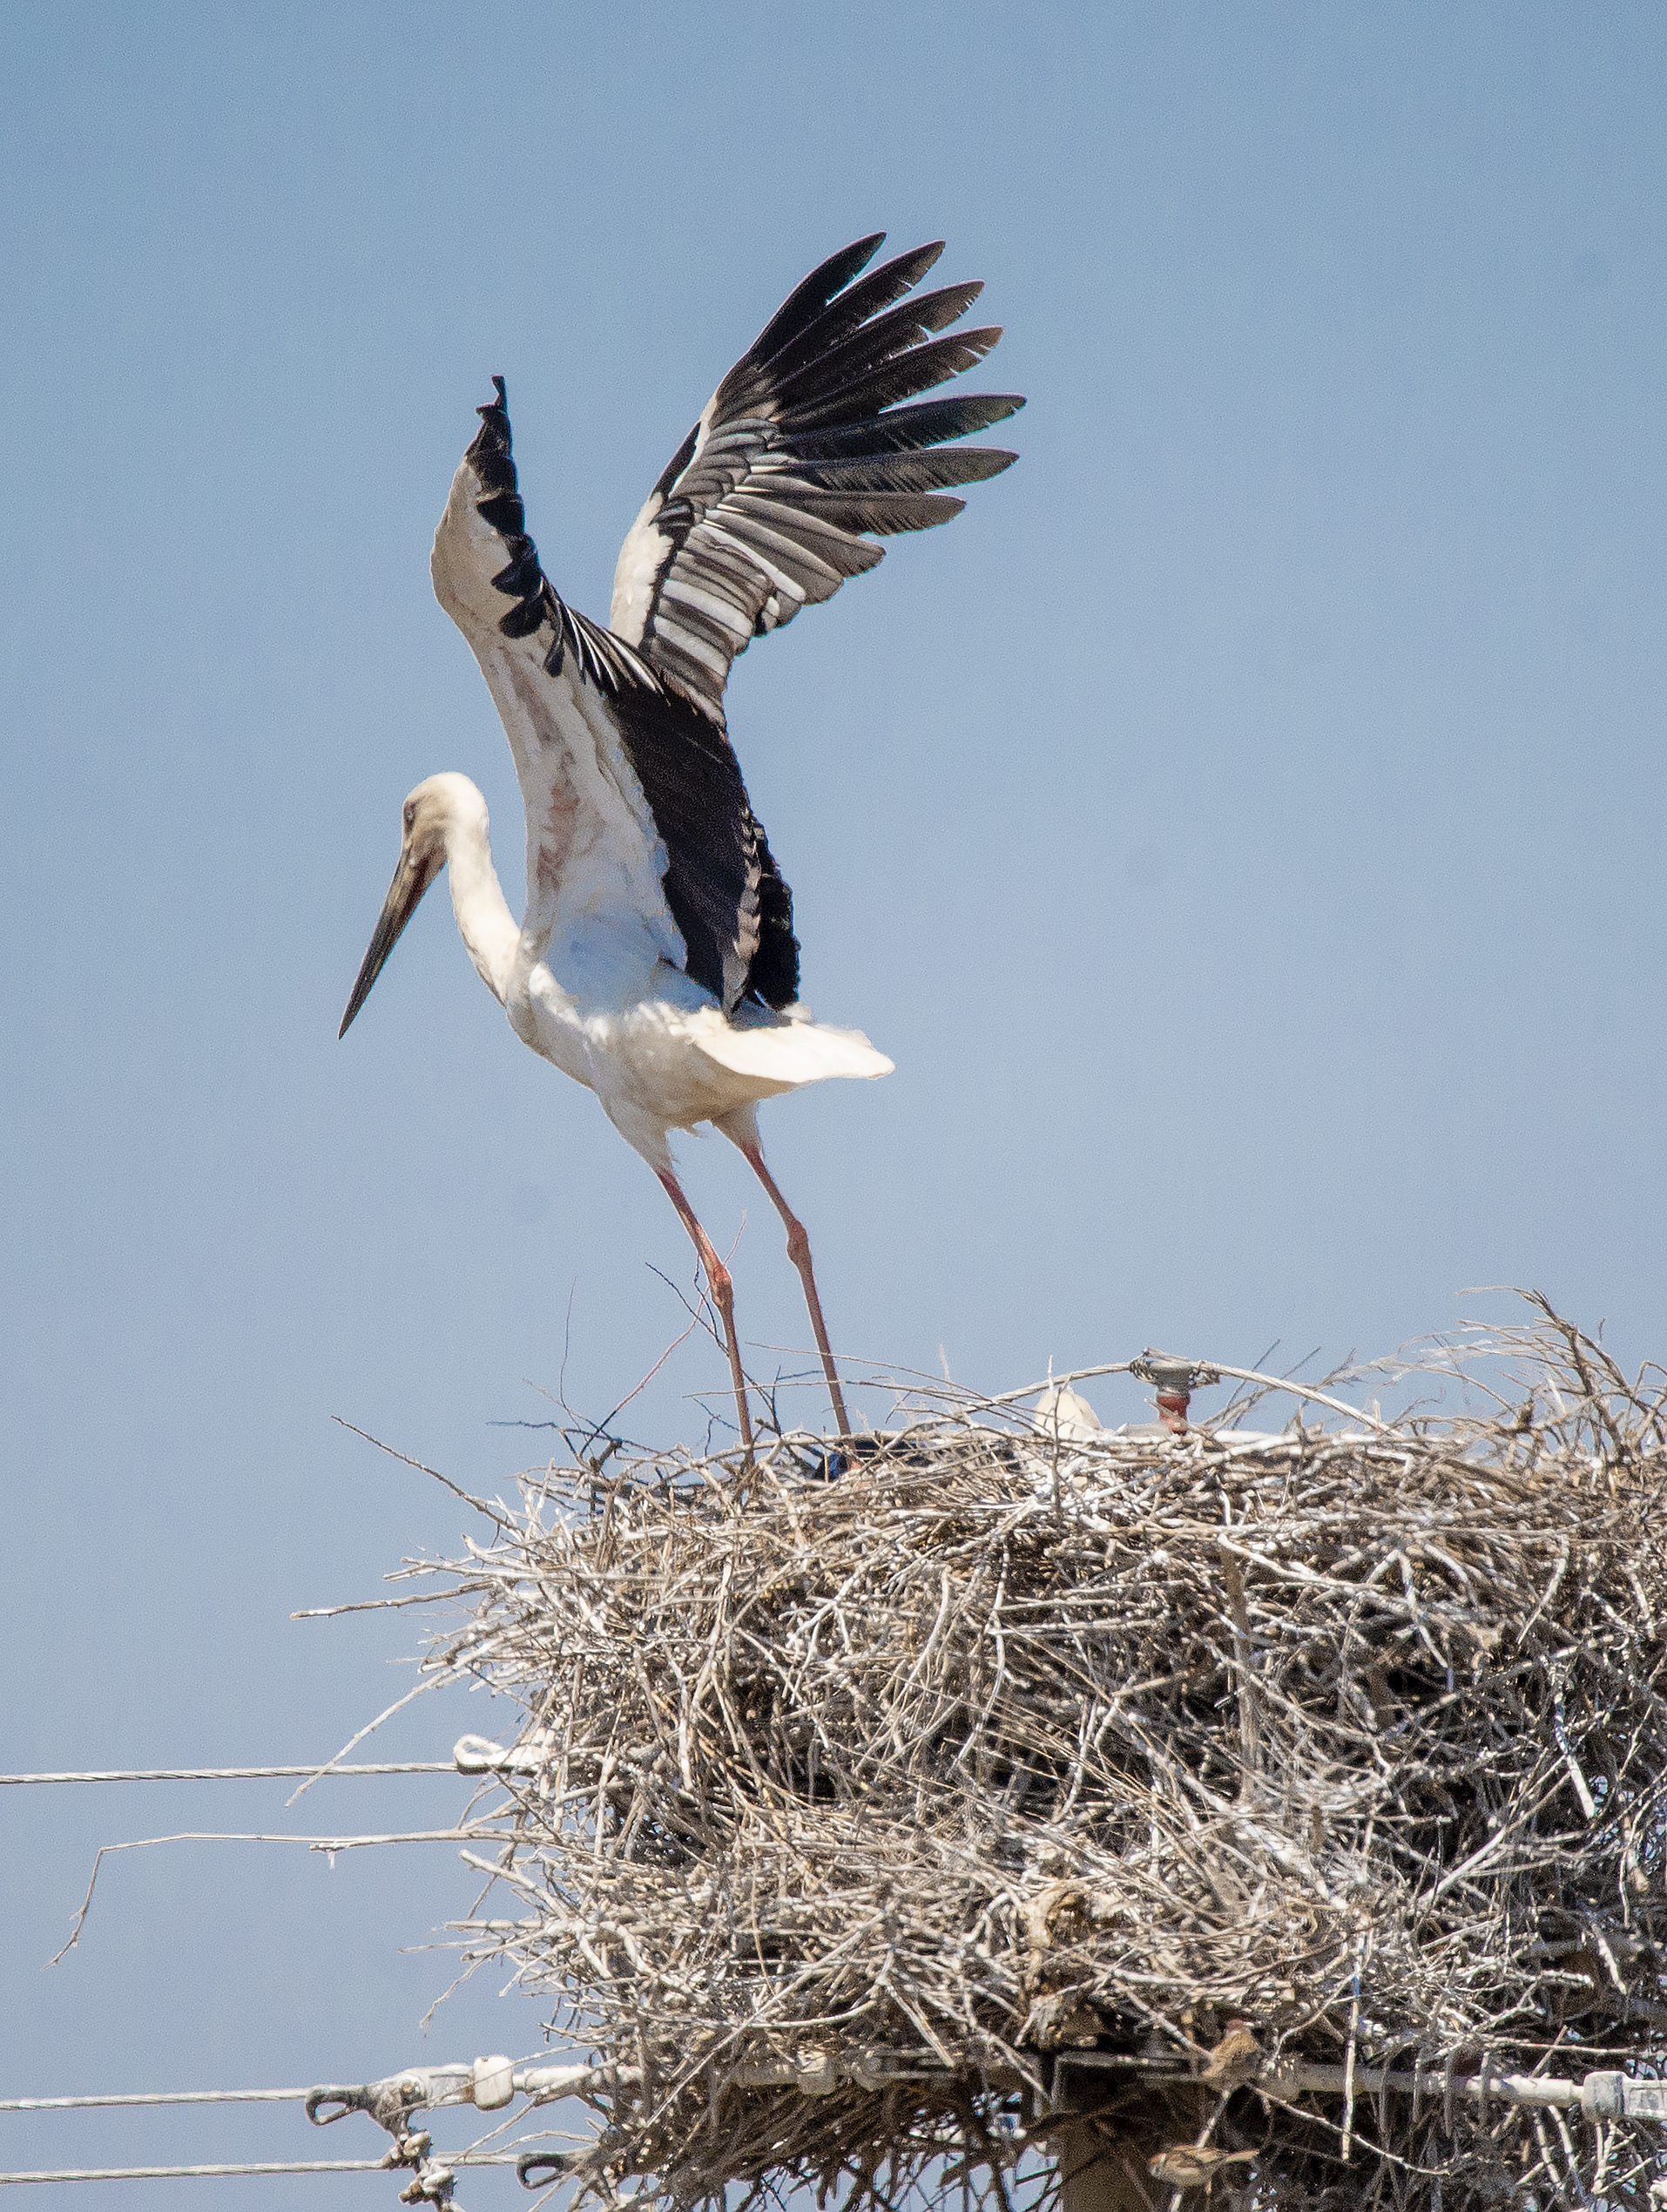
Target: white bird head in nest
(1061, 1413)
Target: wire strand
(218, 2173)
(232, 1774)
(157, 2097)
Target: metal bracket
(1174, 1379)
(1617, 2096)
(1601, 2096)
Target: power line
(535, 2078)
(156, 2097)
(234, 1774)
(219, 2173)
(475, 1755)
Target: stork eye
(410, 816)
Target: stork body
(656, 963)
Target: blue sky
(1243, 826)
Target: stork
(656, 963)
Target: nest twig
(858, 1805)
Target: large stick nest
(860, 1803)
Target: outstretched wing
(805, 454)
(636, 814)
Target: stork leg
(723, 1296)
(747, 1139)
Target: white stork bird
(657, 963)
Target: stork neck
(484, 921)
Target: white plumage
(656, 962)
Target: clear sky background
(1243, 827)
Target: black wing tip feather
(908, 430)
(899, 376)
(847, 311)
(839, 356)
(491, 457)
(807, 298)
(495, 419)
(878, 339)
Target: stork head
(430, 815)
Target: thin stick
(327, 1844)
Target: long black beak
(411, 879)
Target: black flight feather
(852, 308)
(900, 377)
(806, 299)
(877, 341)
(910, 429)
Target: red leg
(799, 1253)
(723, 1296)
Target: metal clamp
(487, 2084)
(391, 2102)
(536, 2169)
(479, 1754)
(1618, 2096)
